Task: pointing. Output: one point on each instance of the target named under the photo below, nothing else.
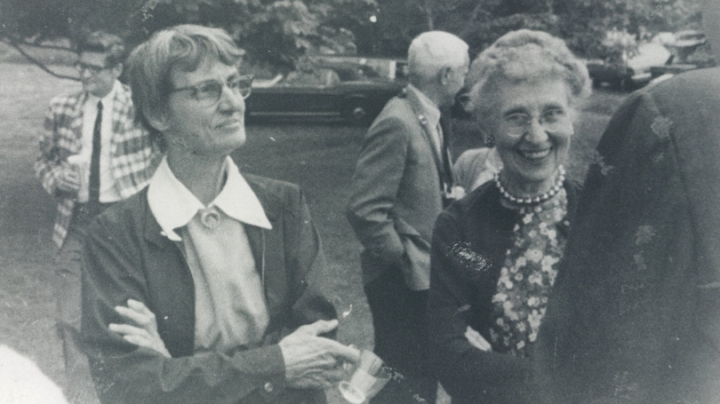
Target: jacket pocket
(415, 265)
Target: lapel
(419, 113)
(119, 117)
(442, 159)
(266, 246)
(170, 284)
(75, 123)
(121, 113)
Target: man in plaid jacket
(91, 155)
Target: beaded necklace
(532, 200)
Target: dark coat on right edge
(635, 313)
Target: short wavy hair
(183, 47)
(523, 56)
(102, 42)
(430, 51)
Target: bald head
(711, 24)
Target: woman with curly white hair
(495, 253)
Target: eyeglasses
(208, 93)
(553, 120)
(93, 69)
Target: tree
(478, 22)
(582, 23)
(274, 32)
(585, 23)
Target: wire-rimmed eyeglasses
(553, 120)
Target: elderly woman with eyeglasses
(207, 286)
(495, 253)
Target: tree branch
(37, 45)
(469, 24)
(429, 17)
(40, 64)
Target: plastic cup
(369, 377)
(81, 163)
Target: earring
(490, 140)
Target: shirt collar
(92, 99)
(173, 205)
(431, 111)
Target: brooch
(210, 218)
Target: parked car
(689, 51)
(350, 92)
(389, 68)
(632, 70)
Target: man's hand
(69, 180)
(313, 362)
(143, 328)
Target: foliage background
(276, 32)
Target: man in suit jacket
(402, 181)
(635, 314)
(125, 159)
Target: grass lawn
(318, 156)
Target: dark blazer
(396, 192)
(127, 257)
(635, 317)
(469, 244)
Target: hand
(457, 192)
(69, 180)
(477, 340)
(144, 332)
(313, 362)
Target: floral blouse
(527, 276)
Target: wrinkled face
(532, 130)
(96, 78)
(194, 124)
(455, 81)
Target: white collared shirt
(230, 307)
(173, 205)
(108, 191)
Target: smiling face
(194, 128)
(533, 127)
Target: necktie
(445, 155)
(94, 186)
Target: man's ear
(444, 74)
(117, 70)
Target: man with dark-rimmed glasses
(91, 156)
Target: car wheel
(356, 113)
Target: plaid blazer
(133, 157)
